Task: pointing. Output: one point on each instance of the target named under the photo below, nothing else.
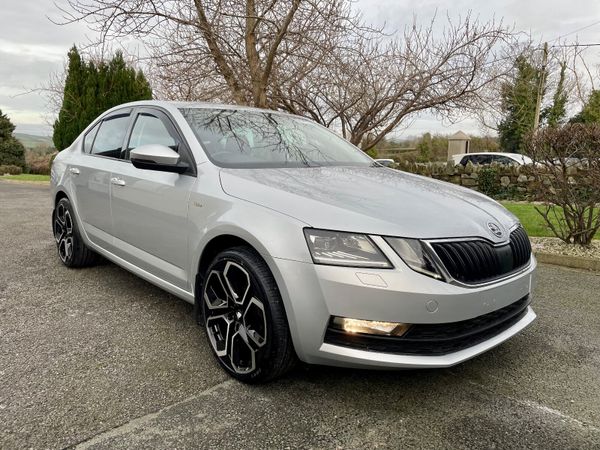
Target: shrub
(10, 170)
(39, 164)
(571, 207)
(372, 152)
(488, 181)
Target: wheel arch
(60, 194)
(218, 244)
(229, 239)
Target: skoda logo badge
(495, 229)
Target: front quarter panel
(213, 213)
(275, 236)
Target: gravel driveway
(100, 358)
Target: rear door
(102, 148)
(150, 208)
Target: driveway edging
(574, 262)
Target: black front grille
(434, 339)
(479, 261)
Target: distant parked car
(386, 162)
(491, 157)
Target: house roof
(459, 136)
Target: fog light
(370, 326)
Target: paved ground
(100, 358)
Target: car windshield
(252, 139)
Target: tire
(72, 251)
(244, 317)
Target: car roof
(167, 104)
(514, 155)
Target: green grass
(26, 177)
(532, 221)
(33, 142)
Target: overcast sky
(32, 47)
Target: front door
(150, 208)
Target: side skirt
(172, 289)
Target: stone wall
(498, 181)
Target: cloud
(32, 47)
(39, 51)
(28, 22)
(545, 19)
(19, 75)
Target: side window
(504, 160)
(88, 139)
(149, 129)
(484, 159)
(464, 161)
(111, 134)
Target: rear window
(110, 136)
(88, 139)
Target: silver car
(291, 242)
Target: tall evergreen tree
(12, 152)
(91, 89)
(518, 104)
(555, 113)
(424, 147)
(591, 110)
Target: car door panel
(150, 221)
(150, 210)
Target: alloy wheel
(235, 316)
(63, 232)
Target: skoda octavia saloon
(291, 243)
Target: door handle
(74, 170)
(118, 182)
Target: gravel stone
(557, 247)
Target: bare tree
(311, 57)
(375, 85)
(567, 169)
(236, 47)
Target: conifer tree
(555, 114)
(91, 89)
(12, 152)
(591, 110)
(519, 98)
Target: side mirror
(157, 157)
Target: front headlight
(415, 256)
(337, 248)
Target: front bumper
(350, 357)
(314, 293)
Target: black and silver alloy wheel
(63, 232)
(244, 317)
(72, 251)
